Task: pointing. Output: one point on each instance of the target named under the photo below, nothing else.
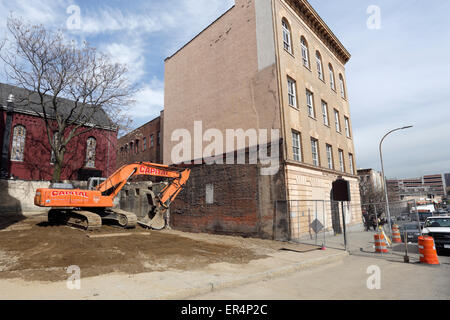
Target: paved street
(348, 278)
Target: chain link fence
(320, 222)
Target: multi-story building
(275, 65)
(393, 190)
(141, 145)
(372, 178)
(436, 184)
(429, 186)
(371, 186)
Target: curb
(270, 274)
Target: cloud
(114, 20)
(149, 102)
(130, 54)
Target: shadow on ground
(10, 207)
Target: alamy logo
(74, 20)
(191, 148)
(374, 20)
(374, 281)
(74, 280)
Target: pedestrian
(366, 221)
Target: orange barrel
(380, 243)
(427, 250)
(396, 237)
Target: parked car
(413, 232)
(439, 229)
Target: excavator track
(125, 219)
(80, 219)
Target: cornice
(315, 22)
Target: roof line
(129, 133)
(200, 33)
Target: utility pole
(388, 214)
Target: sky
(399, 73)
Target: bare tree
(70, 87)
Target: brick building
(264, 64)
(142, 144)
(29, 155)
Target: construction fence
(321, 222)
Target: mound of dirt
(34, 250)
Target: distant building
(372, 178)
(429, 186)
(393, 190)
(371, 185)
(27, 154)
(141, 145)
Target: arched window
(287, 36)
(305, 51)
(332, 82)
(91, 145)
(18, 143)
(341, 82)
(319, 65)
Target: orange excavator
(87, 208)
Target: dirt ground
(33, 250)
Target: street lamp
(388, 214)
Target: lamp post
(388, 214)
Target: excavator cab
(94, 182)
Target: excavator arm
(87, 203)
(112, 186)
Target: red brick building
(142, 144)
(30, 155)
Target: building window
(337, 121)
(310, 103)
(326, 120)
(330, 157)
(18, 143)
(292, 92)
(332, 82)
(305, 52)
(319, 65)
(152, 141)
(350, 158)
(347, 127)
(287, 36)
(131, 147)
(341, 160)
(296, 146)
(137, 147)
(342, 85)
(145, 144)
(315, 152)
(91, 145)
(56, 143)
(159, 138)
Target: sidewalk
(186, 265)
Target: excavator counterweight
(87, 208)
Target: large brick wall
(243, 201)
